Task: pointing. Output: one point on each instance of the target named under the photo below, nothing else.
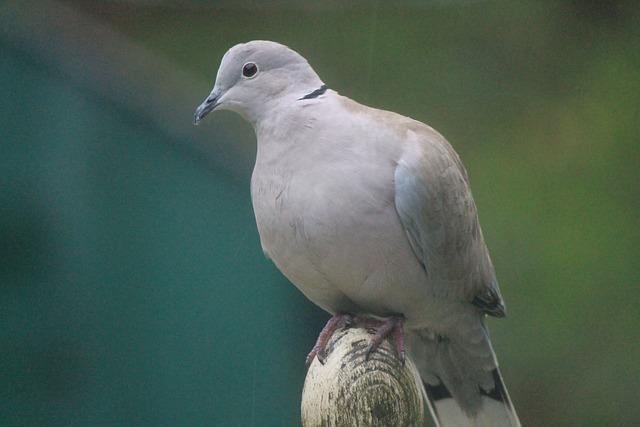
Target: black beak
(205, 108)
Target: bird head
(258, 76)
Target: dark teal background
(133, 290)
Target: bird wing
(436, 208)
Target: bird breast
(326, 216)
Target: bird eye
(249, 69)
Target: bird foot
(392, 325)
(319, 350)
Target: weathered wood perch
(349, 390)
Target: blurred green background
(133, 290)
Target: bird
(370, 215)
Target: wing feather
(437, 210)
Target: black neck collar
(316, 93)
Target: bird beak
(206, 107)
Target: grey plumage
(369, 212)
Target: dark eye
(249, 69)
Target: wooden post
(349, 390)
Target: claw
(402, 355)
(319, 349)
(393, 325)
(370, 349)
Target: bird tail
(495, 409)
(462, 384)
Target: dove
(370, 215)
